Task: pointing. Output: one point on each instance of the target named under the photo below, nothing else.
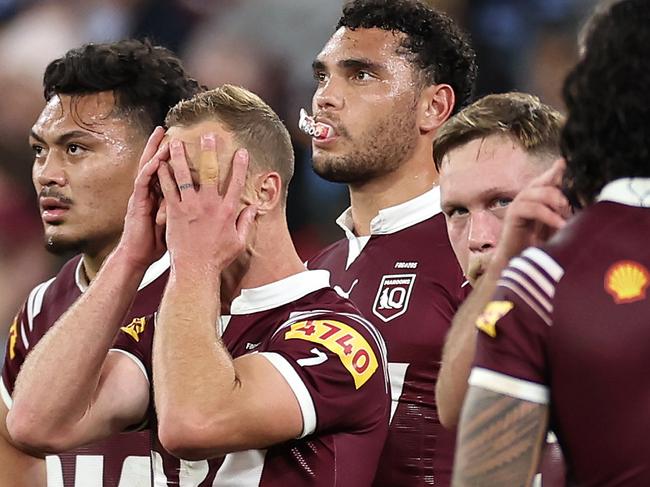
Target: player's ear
(267, 191)
(435, 107)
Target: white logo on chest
(345, 294)
(393, 296)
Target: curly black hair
(146, 80)
(433, 42)
(607, 134)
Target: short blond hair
(536, 127)
(252, 122)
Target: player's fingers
(182, 174)
(208, 162)
(167, 184)
(142, 184)
(238, 179)
(152, 145)
(552, 176)
(245, 221)
(161, 214)
(550, 196)
(557, 172)
(530, 211)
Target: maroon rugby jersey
(334, 361)
(405, 278)
(122, 460)
(568, 327)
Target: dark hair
(534, 126)
(146, 80)
(433, 42)
(607, 134)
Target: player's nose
(50, 172)
(329, 95)
(483, 231)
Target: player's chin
(58, 242)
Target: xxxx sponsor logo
(135, 328)
(13, 338)
(493, 312)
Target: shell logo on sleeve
(493, 312)
(348, 344)
(626, 281)
(135, 328)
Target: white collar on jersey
(154, 271)
(627, 191)
(280, 292)
(396, 218)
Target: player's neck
(93, 260)
(413, 178)
(271, 258)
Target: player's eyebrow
(352, 63)
(64, 138)
(359, 64)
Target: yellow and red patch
(493, 312)
(626, 281)
(348, 344)
(135, 328)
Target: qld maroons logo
(393, 296)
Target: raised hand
(142, 240)
(206, 230)
(537, 212)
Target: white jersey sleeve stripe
(510, 386)
(35, 301)
(534, 275)
(545, 261)
(516, 288)
(23, 336)
(4, 393)
(535, 295)
(299, 389)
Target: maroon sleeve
(336, 367)
(136, 340)
(15, 352)
(513, 336)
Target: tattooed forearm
(499, 440)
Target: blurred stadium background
(264, 45)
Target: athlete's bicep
(499, 440)
(17, 468)
(120, 401)
(261, 410)
(272, 390)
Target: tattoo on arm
(499, 440)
